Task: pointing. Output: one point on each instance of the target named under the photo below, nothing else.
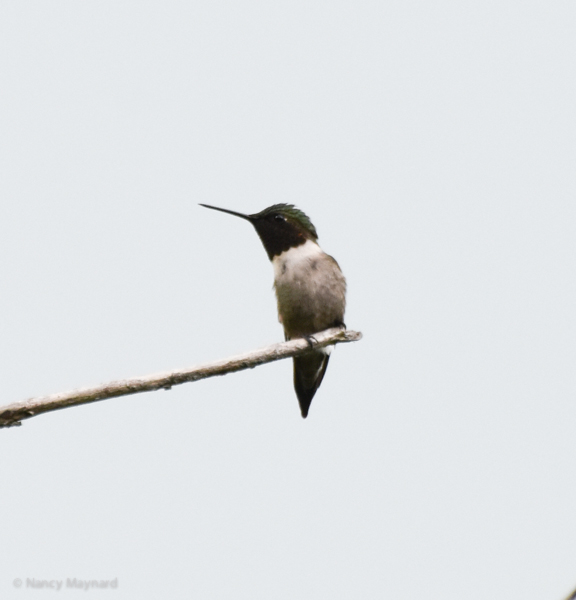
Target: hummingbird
(310, 287)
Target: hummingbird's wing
(308, 374)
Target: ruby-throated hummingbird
(310, 287)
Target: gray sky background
(433, 144)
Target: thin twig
(572, 596)
(12, 414)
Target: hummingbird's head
(280, 227)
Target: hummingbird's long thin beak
(230, 212)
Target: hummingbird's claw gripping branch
(311, 340)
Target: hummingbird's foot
(340, 324)
(311, 340)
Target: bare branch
(13, 414)
(572, 596)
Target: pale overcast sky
(433, 145)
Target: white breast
(286, 263)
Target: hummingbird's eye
(279, 218)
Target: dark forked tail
(308, 374)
